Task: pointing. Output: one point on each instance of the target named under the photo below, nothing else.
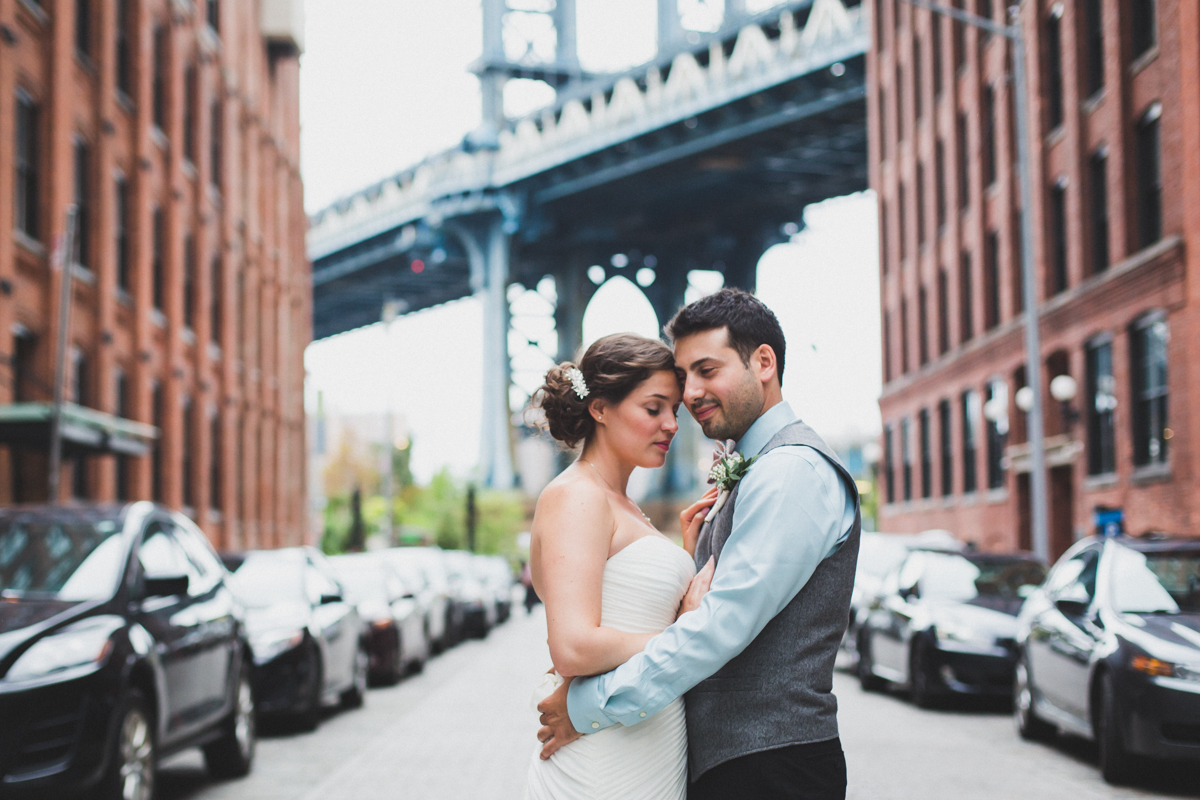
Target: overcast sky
(385, 82)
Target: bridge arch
(619, 305)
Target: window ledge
(214, 351)
(36, 10)
(1056, 135)
(1151, 473)
(1106, 480)
(189, 168)
(970, 498)
(81, 273)
(188, 335)
(159, 137)
(214, 515)
(993, 496)
(29, 243)
(1093, 101)
(124, 298)
(1144, 60)
(125, 102)
(158, 318)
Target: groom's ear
(765, 363)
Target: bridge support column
(676, 478)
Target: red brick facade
(176, 123)
(1115, 106)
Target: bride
(609, 579)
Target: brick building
(1115, 112)
(173, 125)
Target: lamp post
(1033, 347)
(391, 310)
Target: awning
(85, 431)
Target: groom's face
(720, 390)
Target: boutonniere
(728, 468)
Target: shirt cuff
(583, 706)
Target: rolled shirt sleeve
(792, 512)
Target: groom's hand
(556, 730)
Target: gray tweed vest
(779, 690)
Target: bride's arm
(572, 533)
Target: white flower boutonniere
(728, 468)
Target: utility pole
(472, 517)
(64, 259)
(391, 310)
(1033, 347)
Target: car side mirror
(166, 586)
(330, 598)
(1071, 608)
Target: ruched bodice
(643, 584)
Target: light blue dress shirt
(792, 512)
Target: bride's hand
(692, 518)
(697, 588)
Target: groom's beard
(735, 415)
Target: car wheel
(1029, 725)
(921, 685)
(133, 762)
(309, 716)
(232, 755)
(867, 678)
(356, 694)
(1116, 764)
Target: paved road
(464, 729)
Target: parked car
(397, 640)
(1110, 650)
(477, 603)
(120, 643)
(879, 554)
(945, 623)
(309, 643)
(422, 567)
(496, 576)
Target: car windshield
(877, 556)
(952, 577)
(1164, 582)
(58, 559)
(264, 580)
(362, 582)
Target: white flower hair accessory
(575, 375)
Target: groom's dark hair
(747, 319)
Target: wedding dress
(643, 584)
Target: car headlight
(269, 645)
(1158, 668)
(82, 644)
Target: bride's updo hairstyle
(612, 368)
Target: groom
(756, 658)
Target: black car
(119, 644)
(945, 623)
(309, 643)
(1110, 650)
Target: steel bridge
(699, 160)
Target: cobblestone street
(464, 729)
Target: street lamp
(1035, 422)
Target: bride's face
(640, 428)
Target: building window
(158, 268)
(190, 98)
(946, 444)
(1101, 401)
(902, 210)
(943, 311)
(906, 458)
(918, 105)
(926, 454)
(936, 44)
(1054, 76)
(1018, 262)
(922, 325)
(991, 266)
(877, 20)
(901, 122)
(889, 469)
(216, 497)
(970, 413)
(883, 235)
(920, 204)
(156, 454)
(160, 77)
(124, 48)
(939, 166)
(25, 159)
(122, 410)
(215, 144)
(187, 435)
(121, 234)
(987, 124)
(997, 432)
(212, 15)
(1093, 39)
(1143, 16)
(216, 301)
(81, 252)
(189, 282)
(1098, 184)
(1149, 368)
(883, 132)
(985, 9)
(965, 299)
(1149, 178)
(887, 346)
(1058, 237)
(964, 163)
(960, 39)
(83, 27)
(903, 335)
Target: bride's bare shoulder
(573, 493)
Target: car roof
(1159, 542)
(976, 555)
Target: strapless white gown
(643, 584)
